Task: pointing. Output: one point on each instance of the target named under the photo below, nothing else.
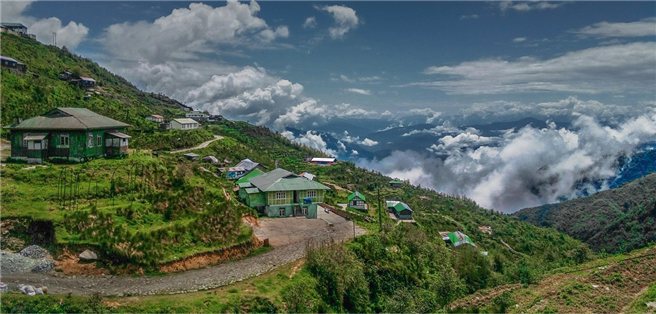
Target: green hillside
(143, 210)
(617, 220)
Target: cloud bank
(524, 168)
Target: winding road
(284, 252)
(201, 145)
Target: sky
(304, 64)
(448, 57)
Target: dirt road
(289, 245)
(202, 145)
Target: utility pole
(380, 209)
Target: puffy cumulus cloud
(431, 114)
(528, 167)
(70, 35)
(310, 22)
(608, 69)
(312, 140)
(189, 30)
(455, 144)
(345, 20)
(359, 91)
(528, 6)
(368, 142)
(644, 27)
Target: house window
(98, 140)
(280, 195)
(34, 145)
(282, 212)
(24, 140)
(63, 139)
(90, 140)
(312, 193)
(304, 211)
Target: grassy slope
(616, 220)
(27, 95)
(620, 283)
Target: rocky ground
(193, 280)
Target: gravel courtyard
(288, 236)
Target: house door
(295, 197)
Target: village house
(86, 82)
(15, 27)
(66, 75)
(184, 124)
(12, 65)
(396, 183)
(280, 193)
(243, 168)
(357, 200)
(323, 160)
(458, 238)
(197, 115)
(71, 134)
(400, 209)
(155, 118)
(215, 118)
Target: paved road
(284, 252)
(202, 145)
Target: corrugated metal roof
(35, 137)
(252, 190)
(283, 180)
(119, 134)
(400, 206)
(245, 185)
(254, 173)
(69, 119)
(157, 116)
(308, 175)
(458, 238)
(236, 169)
(185, 121)
(247, 164)
(356, 194)
(396, 181)
(323, 159)
(84, 78)
(8, 58)
(12, 24)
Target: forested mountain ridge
(617, 220)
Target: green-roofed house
(254, 173)
(280, 193)
(396, 183)
(459, 238)
(357, 200)
(71, 134)
(400, 209)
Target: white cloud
(524, 168)
(608, 69)
(519, 39)
(454, 145)
(346, 78)
(374, 78)
(431, 114)
(310, 22)
(311, 139)
(467, 17)
(369, 142)
(528, 6)
(358, 91)
(70, 35)
(187, 31)
(345, 20)
(644, 27)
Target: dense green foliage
(617, 220)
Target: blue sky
(384, 59)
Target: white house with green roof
(357, 200)
(400, 209)
(280, 193)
